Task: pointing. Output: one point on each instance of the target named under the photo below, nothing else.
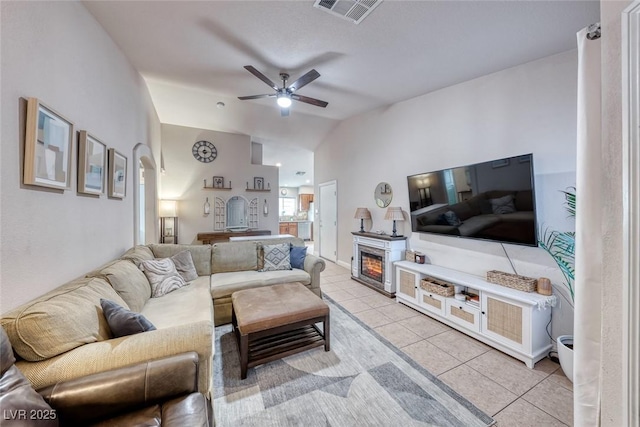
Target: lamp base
(362, 225)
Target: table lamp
(395, 214)
(362, 214)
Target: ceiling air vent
(351, 10)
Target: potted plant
(561, 246)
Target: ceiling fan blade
(304, 80)
(284, 112)
(308, 100)
(270, 95)
(261, 76)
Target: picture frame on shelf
(117, 174)
(258, 183)
(218, 182)
(48, 147)
(92, 164)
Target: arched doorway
(145, 193)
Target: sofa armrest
(314, 266)
(111, 393)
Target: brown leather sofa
(158, 392)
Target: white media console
(509, 320)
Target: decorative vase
(565, 354)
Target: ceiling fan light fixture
(284, 100)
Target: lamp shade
(168, 208)
(362, 213)
(394, 213)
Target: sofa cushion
(137, 254)
(234, 256)
(162, 275)
(463, 210)
(201, 255)
(128, 281)
(184, 264)
(224, 284)
(123, 322)
(298, 254)
(277, 257)
(168, 311)
(475, 224)
(61, 320)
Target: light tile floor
(501, 386)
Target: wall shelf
(217, 188)
(256, 190)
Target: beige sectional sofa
(64, 335)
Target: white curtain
(588, 283)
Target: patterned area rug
(363, 381)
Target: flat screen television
(492, 200)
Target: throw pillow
(184, 264)
(277, 257)
(162, 276)
(124, 322)
(298, 254)
(452, 218)
(503, 205)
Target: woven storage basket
(438, 287)
(521, 283)
(410, 255)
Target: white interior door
(328, 220)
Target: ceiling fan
(286, 93)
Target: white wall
(184, 178)
(57, 52)
(525, 109)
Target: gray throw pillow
(162, 276)
(277, 257)
(503, 205)
(184, 264)
(124, 322)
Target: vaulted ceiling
(192, 53)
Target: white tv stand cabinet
(509, 320)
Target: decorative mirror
(383, 194)
(237, 214)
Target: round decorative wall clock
(204, 151)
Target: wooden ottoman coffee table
(276, 321)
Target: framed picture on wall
(218, 182)
(117, 174)
(48, 147)
(258, 183)
(92, 164)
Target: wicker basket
(410, 255)
(521, 283)
(438, 287)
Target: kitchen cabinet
(289, 228)
(305, 200)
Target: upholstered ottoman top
(268, 307)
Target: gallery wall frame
(48, 147)
(92, 164)
(218, 182)
(117, 185)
